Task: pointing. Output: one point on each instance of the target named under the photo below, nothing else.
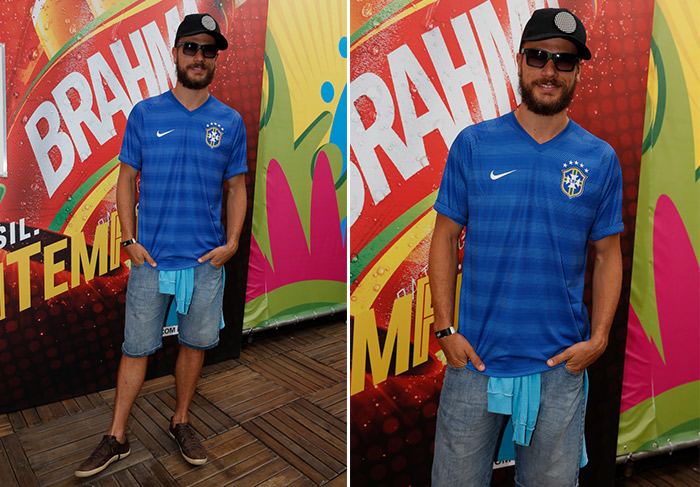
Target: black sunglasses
(191, 48)
(538, 58)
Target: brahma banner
(661, 390)
(420, 71)
(75, 69)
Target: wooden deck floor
(276, 416)
(682, 469)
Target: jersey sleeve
(452, 196)
(130, 152)
(608, 219)
(237, 163)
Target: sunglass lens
(565, 62)
(190, 48)
(536, 58)
(209, 51)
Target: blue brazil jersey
(529, 211)
(184, 157)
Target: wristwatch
(445, 333)
(126, 243)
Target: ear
(578, 71)
(518, 60)
(174, 54)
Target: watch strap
(126, 243)
(445, 333)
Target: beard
(547, 108)
(189, 83)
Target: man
(532, 188)
(185, 144)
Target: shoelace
(103, 448)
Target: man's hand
(458, 351)
(220, 255)
(138, 255)
(578, 356)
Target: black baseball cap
(194, 24)
(547, 23)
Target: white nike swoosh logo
(164, 133)
(498, 176)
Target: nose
(549, 69)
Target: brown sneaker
(190, 447)
(109, 450)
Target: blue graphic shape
(343, 47)
(327, 91)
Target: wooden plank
(217, 419)
(143, 476)
(7, 476)
(261, 473)
(151, 434)
(58, 410)
(96, 399)
(5, 425)
(48, 436)
(331, 432)
(340, 481)
(17, 420)
(126, 479)
(683, 473)
(71, 406)
(235, 378)
(290, 451)
(247, 389)
(31, 417)
(256, 406)
(287, 477)
(68, 455)
(65, 475)
(228, 467)
(106, 482)
(219, 446)
(321, 419)
(332, 399)
(311, 444)
(18, 461)
(76, 420)
(240, 469)
(81, 448)
(86, 404)
(302, 482)
(159, 474)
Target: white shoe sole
(191, 461)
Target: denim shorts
(467, 435)
(147, 309)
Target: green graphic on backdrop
(661, 389)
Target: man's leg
(553, 456)
(467, 434)
(144, 318)
(187, 370)
(132, 372)
(198, 331)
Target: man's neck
(542, 128)
(190, 99)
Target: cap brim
(583, 51)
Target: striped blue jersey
(529, 211)
(184, 157)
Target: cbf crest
(573, 179)
(214, 134)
